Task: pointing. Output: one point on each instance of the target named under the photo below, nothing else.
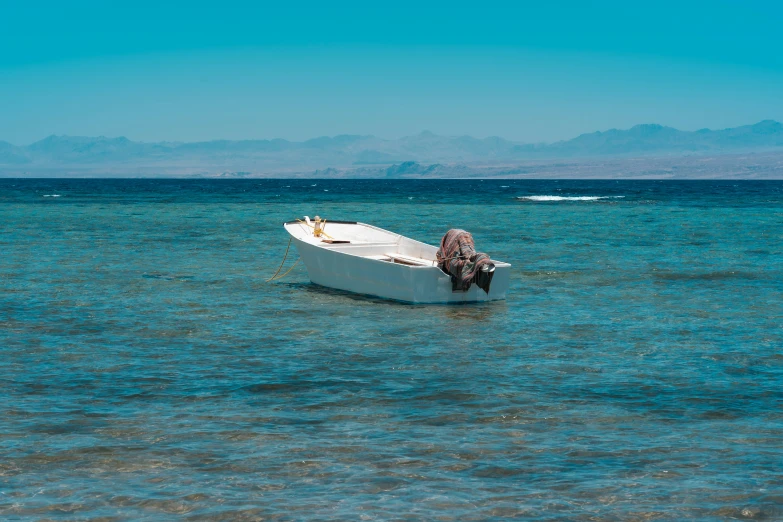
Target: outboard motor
(483, 277)
(457, 257)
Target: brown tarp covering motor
(457, 257)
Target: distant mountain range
(355, 151)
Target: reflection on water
(148, 372)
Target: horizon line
(423, 132)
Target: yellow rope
(276, 277)
(311, 226)
(282, 276)
(285, 256)
(282, 262)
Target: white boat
(364, 259)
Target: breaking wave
(567, 198)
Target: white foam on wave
(51, 195)
(567, 198)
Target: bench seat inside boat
(364, 250)
(401, 259)
(380, 252)
(410, 260)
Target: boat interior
(363, 240)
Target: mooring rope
(283, 263)
(287, 271)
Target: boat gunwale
(333, 248)
(294, 222)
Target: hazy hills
(118, 155)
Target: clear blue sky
(527, 71)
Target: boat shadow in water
(325, 291)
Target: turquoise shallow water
(148, 373)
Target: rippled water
(148, 372)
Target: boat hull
(410, 284)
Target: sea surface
(147, 371)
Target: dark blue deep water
(148, 373)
